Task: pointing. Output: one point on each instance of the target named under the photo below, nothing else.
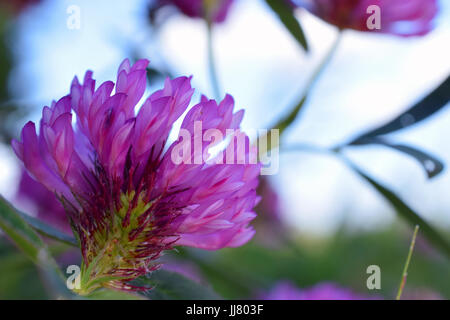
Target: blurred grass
(247, 271)
(244, 272)
(19, 277)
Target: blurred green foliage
(248, 271)
(10, 111)
(19, 278)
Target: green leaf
(430, 164)
(281, 125)
(19, 231)
(166, 285)
(426, 107)
(48, 231)
(285, 122)
(406, 212)
(27, 240)
(20, 278)
(286, 14)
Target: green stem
(323, 64)
(408, 259)
(286, 121)
(212, 63)
(86, 272)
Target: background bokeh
(338, 225)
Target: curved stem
(323, 64)
(212, 64)
(287, 120)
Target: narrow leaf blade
(47, 230)
(406, 212)
(282, 125)
(285, 122)
(426, 107)
(19, 231)
(27, 240)
(430, 164)
(286, 15)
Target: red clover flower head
(125, 192)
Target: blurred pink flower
(126, 199)
(271, 232)
(185, 268)
(324, 291)
(16, 6)
(212, 10)
(39, 200)
(398, 17)
(421, 294)
(269, 206)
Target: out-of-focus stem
(286, 121)
(323, 64)
(212, 63)
(405, 269)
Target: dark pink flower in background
(126, 199)
(16, 6)
(284, 290)
(271, 231)
(185, 268)
(398, 17)
(212, 10)
(38, 200)
(324, 291)
(269, 206)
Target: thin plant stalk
(408, 259)
(286, 121)
(212, 63)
